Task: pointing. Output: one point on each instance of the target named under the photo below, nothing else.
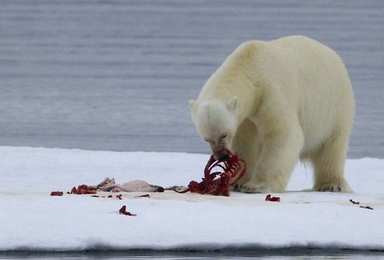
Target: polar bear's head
(215, 122)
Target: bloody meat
(219, 182)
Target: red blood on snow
(272, 199)
(57, 193)
(366, 207)
(83, 189)
(143, 196)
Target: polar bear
(274, 103)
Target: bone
(132, 186)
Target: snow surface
(32, 220)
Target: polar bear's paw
(237, 187)
(333, 187)
(255, 187)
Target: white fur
(275, 102)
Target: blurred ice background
(117, 75)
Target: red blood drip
(123, 211)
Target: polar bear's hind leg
(328, 162)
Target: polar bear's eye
(209, 141)
(223, 135)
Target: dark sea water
(105, 255)
(117, 75)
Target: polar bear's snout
(221, 155)
(221, 147)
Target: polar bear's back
(303, 62)
(314, 78)
(309, 75)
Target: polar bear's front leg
(278, 157)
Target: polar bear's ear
(232, 103)
(192, 105)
